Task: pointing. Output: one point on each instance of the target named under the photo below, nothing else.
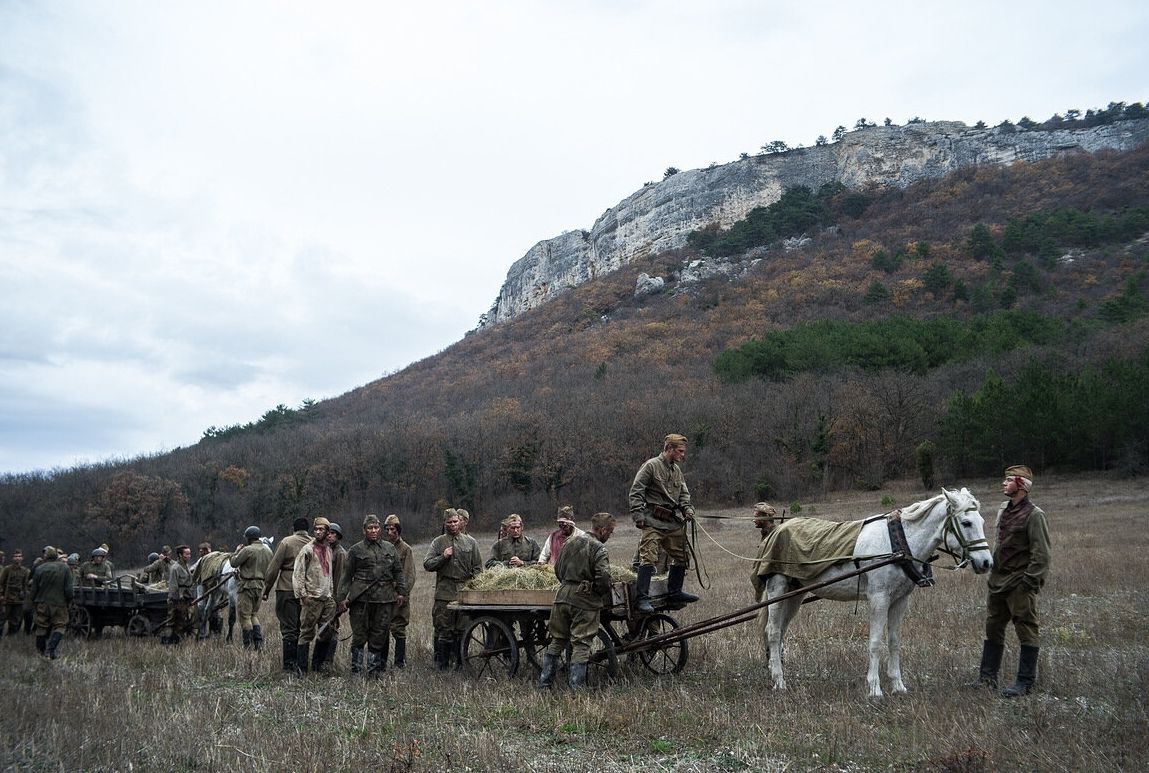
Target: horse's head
(963, 535)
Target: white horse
(950, 522)
(221, 594)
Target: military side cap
(370, 519)
(392, 520)
(320, 521)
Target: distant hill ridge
(661, 215)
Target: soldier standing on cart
(583, 569)
(660, 505)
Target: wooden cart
(118, 603)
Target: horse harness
(924, 577)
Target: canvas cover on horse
(803, 548)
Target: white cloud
(207, 209)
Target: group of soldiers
(37, 598)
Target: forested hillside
(942, 330)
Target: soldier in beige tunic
(583, 569)
(278, 579)
(181, 592)
(454, 557)
(314, 586)
(660, 505)
(393, 531)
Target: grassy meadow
(119, 703)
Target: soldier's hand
(688, 516)
(449, 552)
(400, 600)
(515, 561)
(343, 606)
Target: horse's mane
(919, 509)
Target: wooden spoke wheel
(138, 625)
(80, 621)
(603, 664)
(667, 659)
(488, 649)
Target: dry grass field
(129, 704)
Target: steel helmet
(252, 532)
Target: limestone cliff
(661, 215)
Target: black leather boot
(400, 653)
(247, 640)
(53, 643)
(42, 645)
(1026, 672)
(642, 590)
(442, 654)
(991, 654)
(578, 676)
(302, 655)
(550, 668)
(256, 637)
(376, 662)
(357, 660)
(674, 592)
(288, 655)
(319, 657)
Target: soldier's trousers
(14, 617)
(370, 624)
(1017, 605)
(287, 611)
(653, 540)
(51, 618)
(182, 621)
(247, 603)
(448, 623)
(313, 614)
(571, 624)
(400, 618)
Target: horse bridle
(967, 546)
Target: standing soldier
(371, 586)
(51, 592)
(278, 578)
(454, 557)
(556, 539)
(96, 570)
(660, 505)
(583, 569)
(181, 592)
(1020, 566)
(314, 586)
(328, 640)
(393, 531)
(514, 549)
(13, 590)
(250, 563)
(157, 570)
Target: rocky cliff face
(661, 215)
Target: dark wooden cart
(118, 603)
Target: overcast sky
(211, 208)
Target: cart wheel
(668, 659)
(80, 621)
(138, 625)
(535, 641)
(488, 648)
(603, 664)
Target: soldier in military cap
(51, 592)
(393, 532)
(158, 567)
(328, 641)
(372, 584)
(96, 570)
(1020, 566)
(250, 563)
(583, 569)
(314, 587)
(454, 557)
(765, 519)
(515, 549)
(13, 591)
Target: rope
(721, 546)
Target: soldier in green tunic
(181, 592)
(455, 558)
(514, 549)
(1020, 566)
(583, 569)
(51, 592)
(393, 531)
(660, 505)
(279, 579)
(372, 584)
(13, 591)
(157, 570)
(250, 563)
(96, 570)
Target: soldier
(96, 570)
(455, 558)
(372, 585)
(313, 586)
(204, 549)
(514, 549)
(51, 593)
(74, 567)
(765, 519)
(584, 571)
(13, 591)
(181, 593)
(1020, 566)
(566, 530)
(158, 567)
(279, 578)
(328, 641)
(393, 531)
(250, 563)
(660, 505)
